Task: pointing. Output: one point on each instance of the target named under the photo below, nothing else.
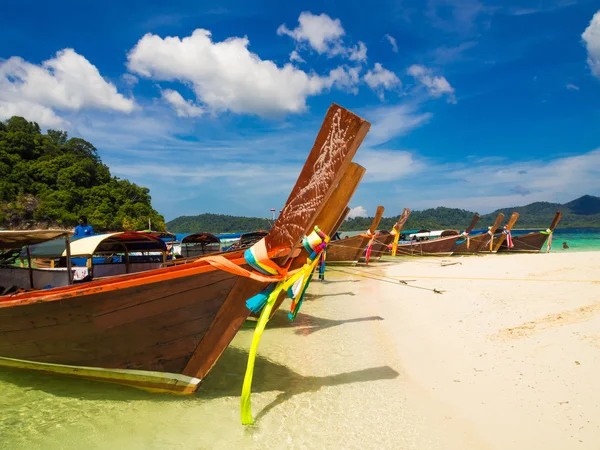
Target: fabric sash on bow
(509, 240)
(489, 231)
(369, 246)
(295, 284)
(549, 232)
(467, 237)
(396, 239)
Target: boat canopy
(164, 235)
(17, 239)
(200, 238)
(127, 241)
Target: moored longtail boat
(164, 329)
(350, 250)
(340, 221)
(479, 242)
(442, 246)
(532, 242)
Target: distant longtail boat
(532, 242)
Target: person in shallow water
(565, 245)
(83, 229)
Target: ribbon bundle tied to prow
(549, 232)
(509, 240)
(294, 284)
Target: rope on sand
(388, 280)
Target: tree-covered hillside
(50, 180)
(217, 223)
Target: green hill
(581, 212)
(217, 223)
(50, 180)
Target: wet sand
(506, 357)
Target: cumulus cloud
(436, 85)
(67, 82)
(591, 37)
(380, 79)
(357, 211)
(324, 35)
(358, 53)
(392, 40)
(227, 76)
(184, 108)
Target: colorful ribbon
(549, 232)
(295, 285)
(509, 240)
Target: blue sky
(473, 104)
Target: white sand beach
(507, 357)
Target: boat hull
(477, 244)
(439, 247)
(154, 325)
(348, 250)
(526, 243)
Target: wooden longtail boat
(443, 246)
(164, 329)
(532, 242)
(479, 242)
(500, 237)
(350, 250)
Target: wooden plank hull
(477, 244)
(348, 250)
(526, 243)
(438, 247)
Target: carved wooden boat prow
(164, 329)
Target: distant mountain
(217, 223)
(581, 212)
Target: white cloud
(503, 183)
(184, 108)
(436, 85)
(130, 80)
(227, 76)
(390, 122)
(572, 87)
(591, 37)
(392, 40)
(295, 57)
(387, 165)
(357, 211)
(67, 82)
(380, 79)
(322, 33)
(359, 53)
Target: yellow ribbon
(245, 404)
